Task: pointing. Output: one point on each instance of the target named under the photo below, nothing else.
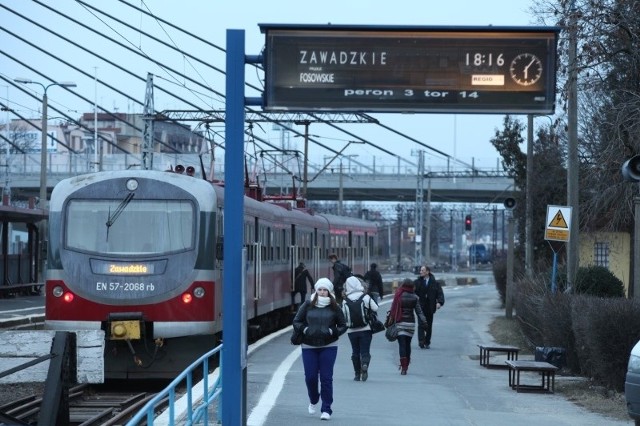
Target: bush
(500, 275)
(597, 332)
(557, 326)
(528, 302)
(598, 281)
(614, 329)
(580, 318)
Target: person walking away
(340, 274)
(404, 309)
(322, 322)
(354, 307)
(431, 297)
(301, 276)
(374, 279)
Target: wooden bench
(485, 353)
(547, 372)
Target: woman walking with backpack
(354, 307)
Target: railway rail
(88, 406)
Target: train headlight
(132, 184)
(57, 291)
(187, 298)
(198, 292)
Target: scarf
(396, 306)
(322, 301)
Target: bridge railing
(25, 166)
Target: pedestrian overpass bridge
(379, 183)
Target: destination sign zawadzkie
(410, 69)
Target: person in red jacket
(404, 309)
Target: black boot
(356, 367)
(365, 360)
(364, 367)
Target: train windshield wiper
(118, 211)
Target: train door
(350, 251)
(316, 255)
(367, 251)
(257, 268)
(293, 256)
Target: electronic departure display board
(410, 69)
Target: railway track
(88, 406)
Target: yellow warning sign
(556, 235)
(558, 221)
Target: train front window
(141, 227)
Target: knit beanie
(324, 283)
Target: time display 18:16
(483, 59)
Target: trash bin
(553, 355)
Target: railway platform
(445, 385)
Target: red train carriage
(138, 254)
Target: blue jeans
(319, 362)
(404, 346)
(360, 343)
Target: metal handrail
(198, 415)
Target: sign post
(234, 349)
(557, 232)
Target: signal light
(186, 298)
(467, 223)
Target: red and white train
(138, 254)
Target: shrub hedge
(597, 329)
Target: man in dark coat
(374, 279)
(340, 274)
(300, 277)
(431, 297)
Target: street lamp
(43, 164)
(43, 153)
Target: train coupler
(136, 359)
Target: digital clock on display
(483, 59)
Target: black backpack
(355, 313)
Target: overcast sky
(464, 136)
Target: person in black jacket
(374, 279)
(405, 304)
(340, 274)
(300, 277)
(431, 297)
(321, 321)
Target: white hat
(324, 283)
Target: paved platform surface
(445, 385)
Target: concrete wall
(19, 347)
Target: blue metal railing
(199, 414)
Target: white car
(632, 385)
